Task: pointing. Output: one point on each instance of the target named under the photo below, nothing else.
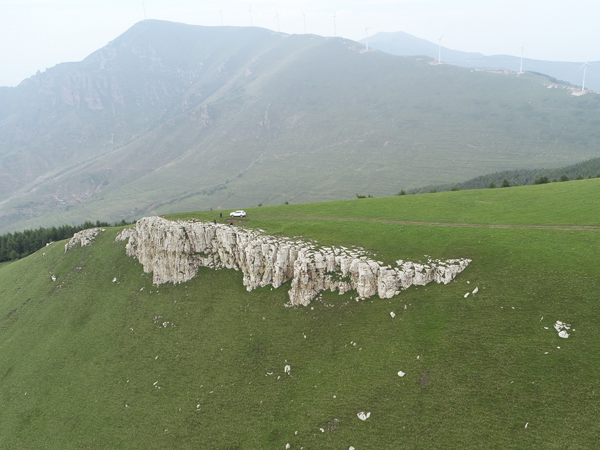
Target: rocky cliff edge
(174, 251)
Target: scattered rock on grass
(363, 416)
(561, 327)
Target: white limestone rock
(84, 237)
(174, 251)
(562, 328)
(363, 416)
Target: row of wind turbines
(303, 18)
(584, 66)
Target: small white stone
(114, 279)
(287, 445)
(467, 294)
(362, 416)
(526, 424)
(392, 314)
(476, 290)
(563, 334)
(401, 374)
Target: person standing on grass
(221, 215)
(230, 222)
(215, 221)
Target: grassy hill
(85, 362)
(170, 117)
(585, 169)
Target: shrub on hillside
(564, 177)
(541, 180)
(579, 176)
(492, 185)
(505, 183)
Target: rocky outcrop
(84, 237)
(174, 251)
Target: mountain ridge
(241, 116)
(404, 44)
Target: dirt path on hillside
(466, 225)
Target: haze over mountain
(171, 117)
(404, 44)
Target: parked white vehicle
(239, 213)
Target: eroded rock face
(174, 251)
(84, 237)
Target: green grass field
(90, 364)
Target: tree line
(20, 244)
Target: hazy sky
(37, 34)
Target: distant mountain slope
(404, 44)
(176, 117)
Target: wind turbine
(250, 11)
(144, 8)
(334, 28)
(277, 17)
(585, 64)
(440, 48)
(304, 19)
(521, 68)
(367, 37)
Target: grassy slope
(550, 204)
(481, 376)
(587, 169)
